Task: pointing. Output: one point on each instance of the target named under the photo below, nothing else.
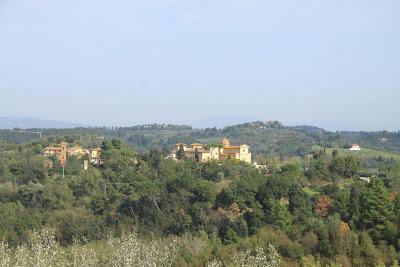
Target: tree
(278, 215)
(300, 204)
(341, 203)
(375, 208)
(352, 165)
(259, 258)
(323, 206)
(196, 155)
(397, 209)
(231, 236)
(15, 222)
(346, 166)
(29, 170)
(180, 154)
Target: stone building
(204, 153)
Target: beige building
(62, 151)
(355, 147)
(202, 153)
(77, 151)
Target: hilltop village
(197, 152)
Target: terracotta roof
(231, 147)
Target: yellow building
(95, 155)
(201, 153)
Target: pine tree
(278, 215)
(180, 154)
(375, 207)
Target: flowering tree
(127, 250)
(260, 258)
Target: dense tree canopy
(316, 211)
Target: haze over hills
(219, 122)
(223, 121)
(28, 123)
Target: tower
(63, 154)
(225, 142)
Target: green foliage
(376, 211)
(29, 170)
(15, 222)
(232, 205)
(278, 215)
(346, 166)
(180, 154)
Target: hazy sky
(331, 63)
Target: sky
(333, 63)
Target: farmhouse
(355, 147)
(59, 151)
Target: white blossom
(259, 258)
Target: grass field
(363, 153)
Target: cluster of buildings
(204, 153)
(196, 151)
(62, 151)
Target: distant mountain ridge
(222, 121)
(27, 123)
(270, 138)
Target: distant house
(96, 156)
(365, 179)
(59, 151)
(259, 166)
(355, 147)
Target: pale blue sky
(331, 63)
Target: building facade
(59, 151)
(225, 151)
(355, 147)
(78, 151)
(62, 151)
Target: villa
(355, 147)
(204, 153)
(59, 151)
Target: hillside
(265, 138)
(214, 211)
